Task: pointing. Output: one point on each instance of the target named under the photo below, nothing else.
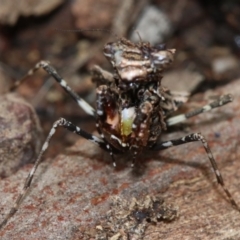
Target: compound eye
(109, 50)
(162, 59)
(160, 47)
(159, 58)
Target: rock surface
(74, 193)
(10, 13)
(20, 134)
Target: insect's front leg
(107, 117)
(142, 133)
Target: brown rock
(20, 134)
(10, 11)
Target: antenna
(137, 32)
(88, 30)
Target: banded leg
(144, 115)
(193, 137)
(52, 72)
(59, 123)
(106, 105)
(218, 103)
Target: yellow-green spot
(127, 118)
(127, 126)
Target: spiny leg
(59, 123)
(198, 137)
(105, 99)
(52, 72)
(218, 103)
(109, 147)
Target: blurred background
(206, 35)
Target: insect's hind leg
(59, 123)
(52, 72)
(193, 137)
(218, 103)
